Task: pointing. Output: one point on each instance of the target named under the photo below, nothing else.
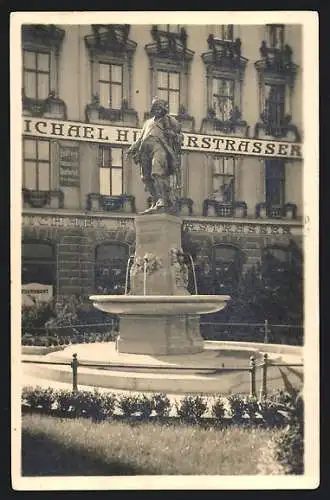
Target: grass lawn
(53, 446)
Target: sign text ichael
(125, 136)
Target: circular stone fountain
(159, 316)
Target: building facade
(86, 91)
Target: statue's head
(159, 107)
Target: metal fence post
(266, 332)
(263, 391)
(252, 376)
(74, 365)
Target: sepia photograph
(164, 240)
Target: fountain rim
(159, 298)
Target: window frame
(107, 261)
(232, 176)
(280, 179)
(279, 104)
(271, 36)
(222, 97)
(101, 149)
(37, 162)
(219, 31)
(168, 89)
(39, 262)
(110, 82)
(36, 72)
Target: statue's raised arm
(158, 152)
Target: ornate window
(169, 65)
(40, 59)
(275, 36)
(223, 179)
(168, 88)
(36, 74)
(275, 187)
(276, 75)
(227, 267)
(218, 268)
(110, 267)
(223, 31)
(274, 105)
(223, 94)
(110, 164)
(111, 58)
(36, 164)
(170, 28)
(38, 262)
(225, 67)
(110, 85)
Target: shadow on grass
(42, 456)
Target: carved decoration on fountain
(150, 264)
(179, 269)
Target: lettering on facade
(246, 229)
(69, 166)
(191, 142)
(128, 224)
(78, 222)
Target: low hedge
(49, 341)
(234, 409)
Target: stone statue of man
(158, 152)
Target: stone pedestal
(158, 334)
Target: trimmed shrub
(161, 404)
(238, 406)
(128, 405)
(36, 397)
(218, 408)
(191, 408)
(145, 406)
(270, 412)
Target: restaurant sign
(36, 292)
(124, 136)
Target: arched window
(38, 262)
(227, 267)
(218, 268)
(110, 267)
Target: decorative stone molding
(218, 209)
(94, 112)
(41, 199)
(169, 45)
(288, 211)
(225, 54)
(280, 130)
(110, 37)
(51, 107)
(232, 126)
(276, 62)
(123, 203)
(45, 34)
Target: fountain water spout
(145, 263)
(193, 271)
(127, 273)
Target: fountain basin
(164, 305)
